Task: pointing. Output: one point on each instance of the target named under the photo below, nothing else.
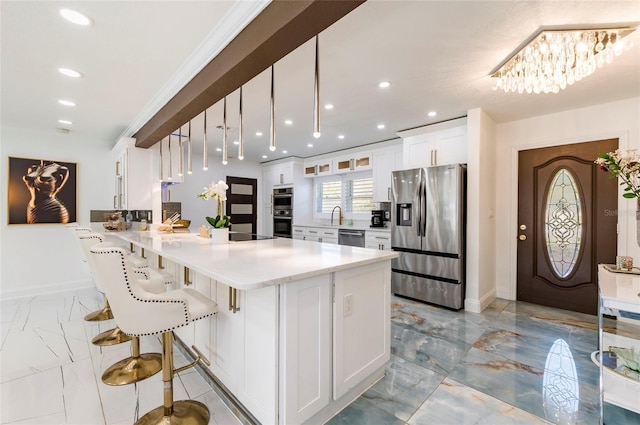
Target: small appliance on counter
(377, 218)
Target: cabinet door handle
(315, 169)
(115, 201)
(435, 157)
(187, 282)
(388, 193)
(273, 207)
(120, 201)
(233, 300)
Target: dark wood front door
(242, 202)
(567, 221)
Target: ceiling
(437, 56)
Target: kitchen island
(302, 329)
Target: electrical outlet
(348, 305)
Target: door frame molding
(510, 291)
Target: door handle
(522, 237)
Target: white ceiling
(437, 55)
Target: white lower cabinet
(315, 234)
(377, 240)
(361, 294)
(305, 349)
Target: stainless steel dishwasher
(351, 237)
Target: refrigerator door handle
(419, 210)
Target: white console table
(620, 297)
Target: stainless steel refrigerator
(428, 216)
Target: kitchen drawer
(322, 239)
(378, 240)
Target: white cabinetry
(377, 240)
(360, 295)
(317, 168)
(267, 201)
(387, 160)
(282, 174)
(358, 161)
(439, 144)
(315, 234)
(132, 180)
(618, 297)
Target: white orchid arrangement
(624, 165)
(219, 192)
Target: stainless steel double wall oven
(282, 211)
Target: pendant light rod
(180, 154)
(169, 174)
(240, 136)
(205, 158)
(189, 153)
(161, 170)
(316, 94)
(272, 137)
(224, 132)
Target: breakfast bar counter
(302, 329)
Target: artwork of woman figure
(44, 181)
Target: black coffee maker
(377, 218)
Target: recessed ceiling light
(69, 72)
(328, 106)
(384, 84)
(66, 102)
(65, 122)
(380, 126)
(284, 151)
(75, 17)
(309, 145)
(264, 156)
(432, 113)
(218, 149)
(340, 136)
(288, 122)
(258, 133)
(235, 142)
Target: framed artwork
(42, 191)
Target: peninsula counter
(303, 328)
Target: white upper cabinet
(358, 161)
(438, 144)
(317, 168)
(132, 176)
(282, 174)
(387, 160)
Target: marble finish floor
(516, 363)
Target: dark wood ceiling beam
(279, 29)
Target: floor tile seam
(428, 397)
(495, 398)
(369, 402)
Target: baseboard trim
(476, 306)
(46, 289)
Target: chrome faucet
(339, 216)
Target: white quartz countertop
(619, 290)
(253, 264)
(355, 226)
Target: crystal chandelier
(554, 59)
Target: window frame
(343, 178)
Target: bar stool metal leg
(99, 315)
(134, 368)
(185, 412)
(111, 337)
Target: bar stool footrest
(184, 412)
(133, 369)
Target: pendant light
(169, 174)
(316, 95)
(224, 131)
(189, 153)
(272, 139)
(180, 154)
(240, 137)
(205, 159)
(161, 170)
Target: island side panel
(362, 324)
(305, 354)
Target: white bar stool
(140, 313)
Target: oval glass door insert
(563, 223)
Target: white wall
(481, 198)
(40, 258)
(618, 119)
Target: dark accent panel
(282, 27)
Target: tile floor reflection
(516, 363)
